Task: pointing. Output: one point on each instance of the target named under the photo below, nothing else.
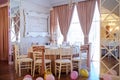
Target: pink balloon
(74, 75)
(50, 77)
(27, 76)
(107, 77)
(39, 78)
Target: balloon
(84, 73)
(39, 78)
(74, 75)
(107, 77)
(27, 77)
(47, 73)
(49, 77)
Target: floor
(7, 72)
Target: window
(75, 33)
(94, 35)
(59, 35)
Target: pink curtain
(53, 23)
(85, 12)
(4, 33)
(64, 14)
(3, 1)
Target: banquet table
(52, 52)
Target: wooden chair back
(38, 53)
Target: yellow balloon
(84, 73)
(46, 73)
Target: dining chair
(85, 55)
(39, 61)
(64, 63)
(21, 61)
(77, 60)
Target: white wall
(27, 5)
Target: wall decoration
(36, 24)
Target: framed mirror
(110, 38)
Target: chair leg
(19, 69)
(33, 70)
(67, 69)
(16, 67)
(71, 66)
(50, 67)
(55, 69)
(39, 68)
(59, 71)
(45, 66)
(31, 67)
(27, 65)
(79, 65)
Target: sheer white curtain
(94, 35)
(59, 35)
(94, 39)
(75, 33)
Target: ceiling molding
(62, 2)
